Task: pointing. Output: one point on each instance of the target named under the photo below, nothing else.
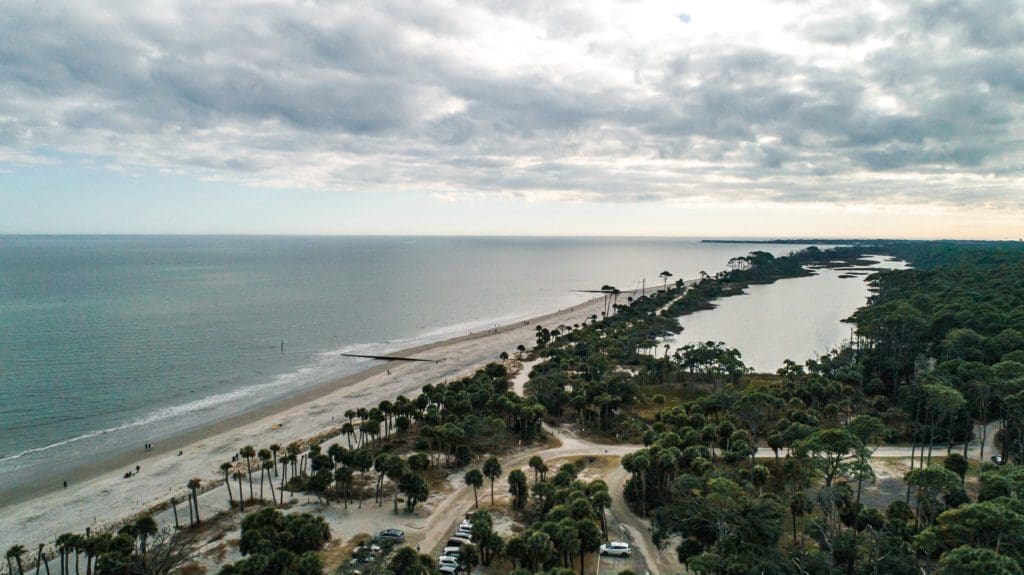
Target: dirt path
(622, 519)
(448, 513)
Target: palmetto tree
(474, 479)
(15, 554)
(77, 545)
(248, 452)
(799, 505)
(41, 560)
(274, 448)
(517, 487)
(145, 527)
(492, 470)
(238, 475)
(589, 537)
(64, 544)
(268, 466)
(226, 468)
(342, 481)
(293, 449)
(264, 455)
(348, 431)
(539, 468)
(396, 470)
(193, 486)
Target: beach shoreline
(98, 496)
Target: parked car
(450, 569)
(997, 459)
(391, 535)
(457, 542)
(466, 524)
(448, 560)
(617, 548)
(464, 533)
(452, 551)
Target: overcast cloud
(839, 102)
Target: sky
(640, 118)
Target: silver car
(617, 548)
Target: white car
(617, 548)
(448, 560)
(466, 524)
(452, 551)
(463, 533)
(449, 569)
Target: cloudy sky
(679, 118)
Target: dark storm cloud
(916, 104)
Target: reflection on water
(795, 319)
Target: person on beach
(65, 484)
(137, 469)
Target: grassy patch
(673, 394)
(338, 553)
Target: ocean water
(795, 318)
(110, 342)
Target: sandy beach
(106, 497)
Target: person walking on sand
(65, 484)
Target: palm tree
(268, 466)
(799, 506)
(145, 527)
(539, 468)
(193, 485)
(241, 500)
(396, 471)
(589, 537)
(517, 487)
(95, 546)
(15, 553)
(64, 544)
(293, 449)
(492, 470)
(406, 561)
(41, 560)
(77, 544)
(474, 479)
(342, 479)
(226, 468)
(274, 448)
(248, 452)
(601, 500)
(264, 455)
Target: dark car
(391, 535)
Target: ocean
(107, 343)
